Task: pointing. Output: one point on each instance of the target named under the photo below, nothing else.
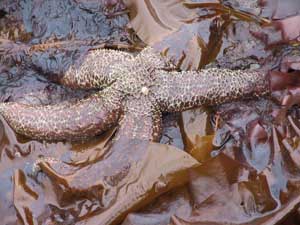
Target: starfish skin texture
(136, 91)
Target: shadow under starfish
(136, 91)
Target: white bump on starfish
(145, 90)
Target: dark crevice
(2, 13)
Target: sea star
(137, 90)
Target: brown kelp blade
(154, 169)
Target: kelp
(246, 153)
(187, 49)
(185, 43)
(279, 9)
(153, 20)
(290, 30)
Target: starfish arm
(66, 121)
(95, 69)
(178, 91)
(149, 58)
(141, 120)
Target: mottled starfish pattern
(135, 92)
